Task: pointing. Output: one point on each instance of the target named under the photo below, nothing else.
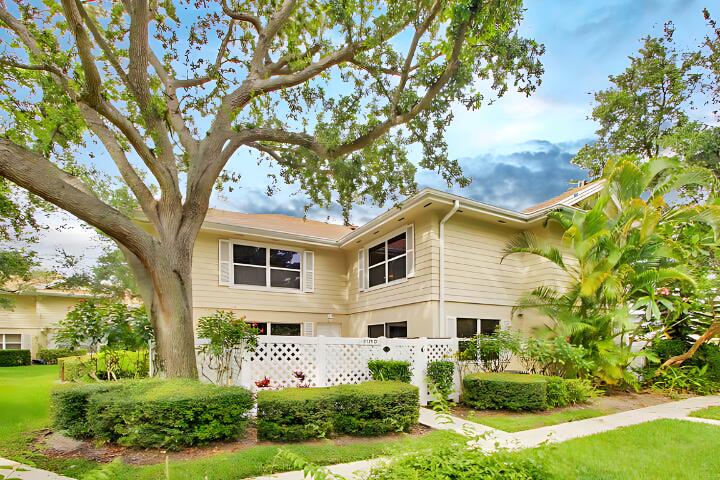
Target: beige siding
(419, 316)
(423, 287)
(329, 297)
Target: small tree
(228, 339)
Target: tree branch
(41, 177)
(243, 17)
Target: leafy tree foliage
(228, 337)
(622, 258)
(646, 103)
(331, 92)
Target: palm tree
(616, 254)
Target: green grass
(713, 413)
(663, 449)
(528, 421)
(25, 408)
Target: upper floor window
(387, 261)
(266, 267)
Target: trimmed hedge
(152, 413)
(51, 355)
(370, 408)
(513, 391)
(14, 358)
(90, 367)
(508, 391)
(397, 370)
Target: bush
(685, 379)
(709, 354)
(505, 391)
(390, 370)
(553, 357)
(580, 390)
(370, 408)
(109, 364)
(14, 358)
(440, 376)
(460, 463)
(666, 348)
(50, 355)
(69, 405)
(558, 394)
(152, 413)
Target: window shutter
(308, 329)
(410, 250)
(361, 269)
(224, 264)
(26, 341)
(451, 327)
(309, 272)
(505, 324)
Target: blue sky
(517, 151)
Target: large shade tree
(332, 92)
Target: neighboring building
(29, 323)
(430, 267)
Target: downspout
(442, 330)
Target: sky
(517, 151)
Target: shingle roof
(565, 198)
(279, 223)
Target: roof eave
(275, 234)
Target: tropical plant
(553, 357)
(619, 254)
(228, 338)
(491, 352)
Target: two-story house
(430, 267)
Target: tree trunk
(712, 332)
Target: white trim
(442, 327)
(307, 269)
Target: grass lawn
(712, 413)
(25, 408)
(663, 449)
(525, 421)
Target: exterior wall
(420, 318)
(34, 318)
(329, 297)
(423, 287)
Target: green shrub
(709, 354)
(121, 363)
(580, 390)
(14, 358)
(505, 391)
(666, 348)
(440, 375)
(460, 463)
(69, 406)
(558, 394)
(685, 379)
(50, 355)
(390, 370)
(152, 413)
(294, 414)
(375, 408)
(370, 408)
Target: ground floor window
(283, 329)
(389, 330)
(469, 327)
(10, 341)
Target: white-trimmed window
(10, 341)
(261, 266)
(266, 267)
(387, 261)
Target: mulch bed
(55, 445)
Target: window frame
(378, 241)
(4, 342)
(267, 267)
(269, 328)
(386, 329)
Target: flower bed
(370, 408)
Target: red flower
(264, 383)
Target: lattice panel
(347, 363)
(278, 361)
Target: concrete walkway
(490, 440)
(14, 470)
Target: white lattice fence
(328, 361)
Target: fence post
(321, 367)
(246, 369)
(419, 369)
(455, 345)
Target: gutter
(442, 327)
